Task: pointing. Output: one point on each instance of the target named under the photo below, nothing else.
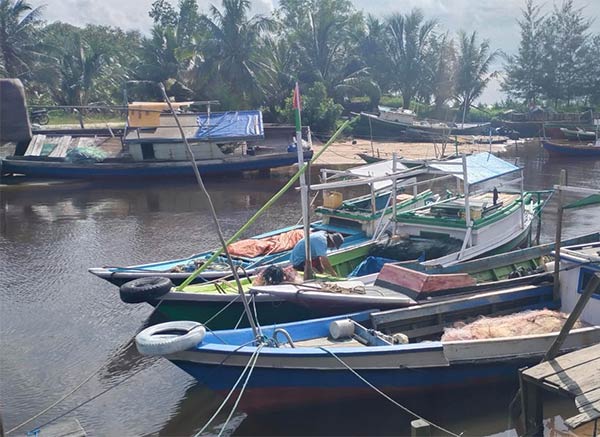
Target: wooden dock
(575, 375)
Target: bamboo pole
(255, 329)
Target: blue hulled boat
(574, 150)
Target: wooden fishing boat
(484, 219)
(578, 134)
(402, 284)
(389, 127)
(399, 351)
(356, 219)
(222, 142)
(574, 150)
(218, 304)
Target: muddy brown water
(59, 324)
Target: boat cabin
(153, 135)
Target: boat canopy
(376, 169)
(480, 167)
(230, 126)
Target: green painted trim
(339, 213)
(413, 218)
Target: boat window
(585, 277)
(148, 151)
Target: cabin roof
(480, 167)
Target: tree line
(343, 58)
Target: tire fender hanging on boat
(145, 289)
(170, 337)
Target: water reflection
(58, 323)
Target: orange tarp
(252, 248)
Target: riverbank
(346, 151)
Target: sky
(495, 20)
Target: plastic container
(332, 199)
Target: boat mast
(303, 187)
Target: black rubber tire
(145, 289)
(43, 119)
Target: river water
(59, 324)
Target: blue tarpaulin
(480, 167)
(372, 264)
(230, 126)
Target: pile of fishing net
(86, 154)
(416, 248)
(533, 322)
(273, 275)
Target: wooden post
(532, 407)
(559, 217)
(420, 428)
(592, 287)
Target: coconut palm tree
(474, 61)
(233, 46)
(409, 40)
(18, 29)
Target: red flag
(297, 103)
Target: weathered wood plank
(577, 379)
(457, 304)
(35, 145)
(563, 363)
(580, 419)
(62, 146)
(589, 397)
(594, 406)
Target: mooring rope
(250, 364)
(405, 409)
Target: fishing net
(273, 275)
(416, 248)
(532, 322)
(86, 154)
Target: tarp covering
(372, 264)
(594, 199)
(378, 169)
(480, 167)
(252, 248)
(230, 126)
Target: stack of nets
(86, 154)
(273, 275)
(532, 322)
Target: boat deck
(328, 342)
(480, 205)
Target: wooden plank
(35, 145)
(85, 142)
(563, 363)
(457, 304)
(591, 396)
(592, 406)
(577, 379)
(580, 419)
(61, 148)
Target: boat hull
(286, 377)
(57, 168)
(571, 149)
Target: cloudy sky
(493, 19)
